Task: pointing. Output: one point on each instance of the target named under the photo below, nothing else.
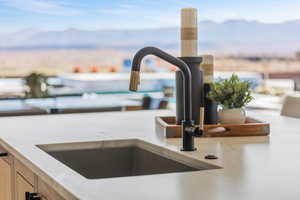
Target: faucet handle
(134, 80)
(193, 130)
(198, 133)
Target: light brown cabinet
(21, 187)
(46, 192)
(16, 179)
(5, 180)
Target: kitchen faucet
(189, 130)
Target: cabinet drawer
(24, 171)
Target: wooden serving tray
(167, 126)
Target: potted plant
(36, 85)
(232, 95)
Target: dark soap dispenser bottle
(210, 107)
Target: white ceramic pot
(232, 116)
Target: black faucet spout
(189, 130)
(184, 69)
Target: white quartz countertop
(253, 168)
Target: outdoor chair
(291, 106)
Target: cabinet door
(46, 192)
(5, 180)
(22, 186)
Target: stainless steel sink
(120, 158)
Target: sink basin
(121, 158)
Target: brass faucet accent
(134, 80)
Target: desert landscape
(238, 45)
(55, 62)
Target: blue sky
(127, 14)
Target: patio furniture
(291, 106)
(297, 84)
(85, 110)
(151, 103)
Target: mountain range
(236, 37)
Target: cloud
(115, 11)
(127, 6)
(121, 9)
(49, 7)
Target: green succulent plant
(231, 93)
